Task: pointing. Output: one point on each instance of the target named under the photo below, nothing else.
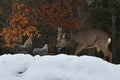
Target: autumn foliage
(55, 14)
(25, 20)
(20, 25)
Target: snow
(59, 67)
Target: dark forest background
(41, 18)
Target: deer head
(61, 40)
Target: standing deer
(86, 39)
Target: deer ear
(59, 35)
(63, 36)
(58, 38)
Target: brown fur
(90, 38)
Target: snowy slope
(59, 67)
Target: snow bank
(60, 67)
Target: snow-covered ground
(59, 67)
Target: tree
(20, 24)
(113, 7)
(55, 14)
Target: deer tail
(109, 40)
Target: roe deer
(86, 39)
(41, 51)
(28, 44)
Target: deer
(41, 51)
(24, 48)
(27, 43)
(93, 38)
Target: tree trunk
(114, 38)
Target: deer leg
(77, 52)
(79, 48)
(98, 47)
(107, 54)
